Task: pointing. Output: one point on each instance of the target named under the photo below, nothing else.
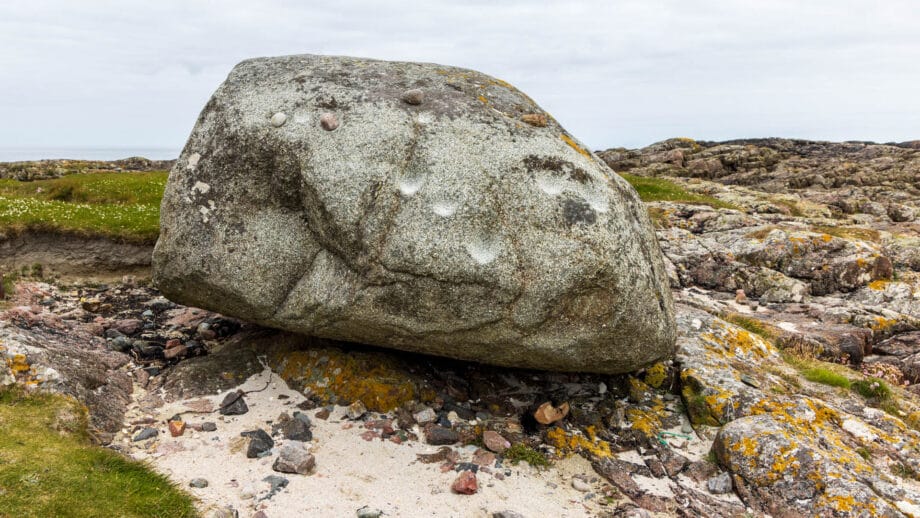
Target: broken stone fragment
(234, 404)
(293, 457)
(176, 428)
(260, 443)
(548, 414)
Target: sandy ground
(350, 472)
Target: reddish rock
(483, 458)
(175, 352)
(494, 441)
(128, 326)
(176, 428)
(175, 342)
(323, 414)
(465, 484)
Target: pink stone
(328, 121)
(465, 484)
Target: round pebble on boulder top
(545, 259)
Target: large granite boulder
(412, 206)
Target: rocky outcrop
(413, 206)
(47, 169)
(885, 178)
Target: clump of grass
(124, 206)
(864, 452)
(48, 467)
(659, 189)
(826, 377)
(872, 388)
(863, 234)
(659, 217)
(752, 325)
(904, 471)
(521, 452)
(794, 209)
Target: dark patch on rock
(577, 211)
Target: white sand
(350, 472)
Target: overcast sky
(119, 73)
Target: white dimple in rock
(205, 213)
(410, 186)
(597, 201)
(201, 187)
(484, 251)
(550, 185)
(444, 208)
(192, 162)
(278, 119)
(425, 118)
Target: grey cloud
(105, 73)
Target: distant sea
(13, 154)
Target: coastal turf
(123, 206)
(49, 467)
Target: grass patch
(124, 206)
(872, 388)
(862, 234)
(48, 467)
(794, 209)
(751, 325)
(826, 377)
(521, 452)
(659, 189)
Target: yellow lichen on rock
(574, 145)
(656, 375)
(567, 443)
(344, 377)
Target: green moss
(48, 467)
(125, 206)
(826, 377)
(521, 452)
(864, 453)
(659, 189)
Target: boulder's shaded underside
(413, 206)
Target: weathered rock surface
(438, 223)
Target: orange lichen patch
(861, 262)
(567, 443)
(656, 375)
(882, 323)
(879, 285)
(574, 145)
(747, 446)
(702, 408)
(344, 377)
(646, 421)
(733, 341)
(483, 99)
(18, 364)
(848, 504)
(827, 238)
